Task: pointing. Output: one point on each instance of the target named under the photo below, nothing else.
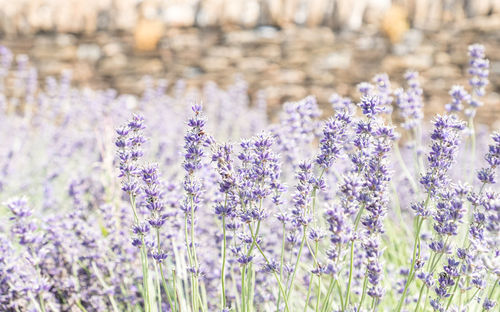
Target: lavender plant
(218, 209)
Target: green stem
(492, 290)
(414, 257)
(280, 285)
(406, 171)
(311, 278)
(243, 292)
(328, 294)
(80, 306)
(190, 260)
(420, 297)
(473, 295)
(195, 258)
(144, 259)
(412, 268)
(340, 293)
(282, 258)
(318, 294)
(363, 295)
(42, 303)
(295, 269)
(222, 274)
(164, 282)
(104, 285)
(452, 294)
(351, 258)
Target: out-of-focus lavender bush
(199, 203)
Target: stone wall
(286, 64)
(88, 16)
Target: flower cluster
(410, 101)
(214, 226)
(445, 142)
(478, 69)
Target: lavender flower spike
(478, 69)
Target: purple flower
(445, 141)
(365, 89)
(23, 227)
(301, 199)
(338, 228)
(340, 104)
(487, 175)
(489, 304)
(383, 89)
(371, 105)
(458, 96)
(335, 135)
(410, 101)
(128, 142)
(478, 69)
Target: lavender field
(183, 200)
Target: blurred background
(286, 48)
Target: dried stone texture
(88, 52)
(315, 12)
(478, 7)
(209, 13)
(288, 63)
(77, 16)
(395, 23)
(215, 64)
(147, 34)
(335, 60)
(124, 14)
(112, 65)
(179, 13)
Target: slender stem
(318, 294)
(419, 297)
(412, 268)
(144, 258)
(290, 287)
(311, 279)
(351, 258)
(223, 273)
(188, 248)
(306, 302)
(431, 266)
(243, 292)
(80, 306)
(328, 293)
(280, 285)
(282, 258)
(419, 222)
(177, 301)
(164, 282)
(172, 306)
(158, 287)
(406, 171)
(363, 295)
(340, 293)
(351, 268)
(103, 283)
(452, 294)
(492, 290)
(42, 303)
(473, 295)
(249, 289)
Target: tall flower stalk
(445, 141)
(195, 142)
(129, 141)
